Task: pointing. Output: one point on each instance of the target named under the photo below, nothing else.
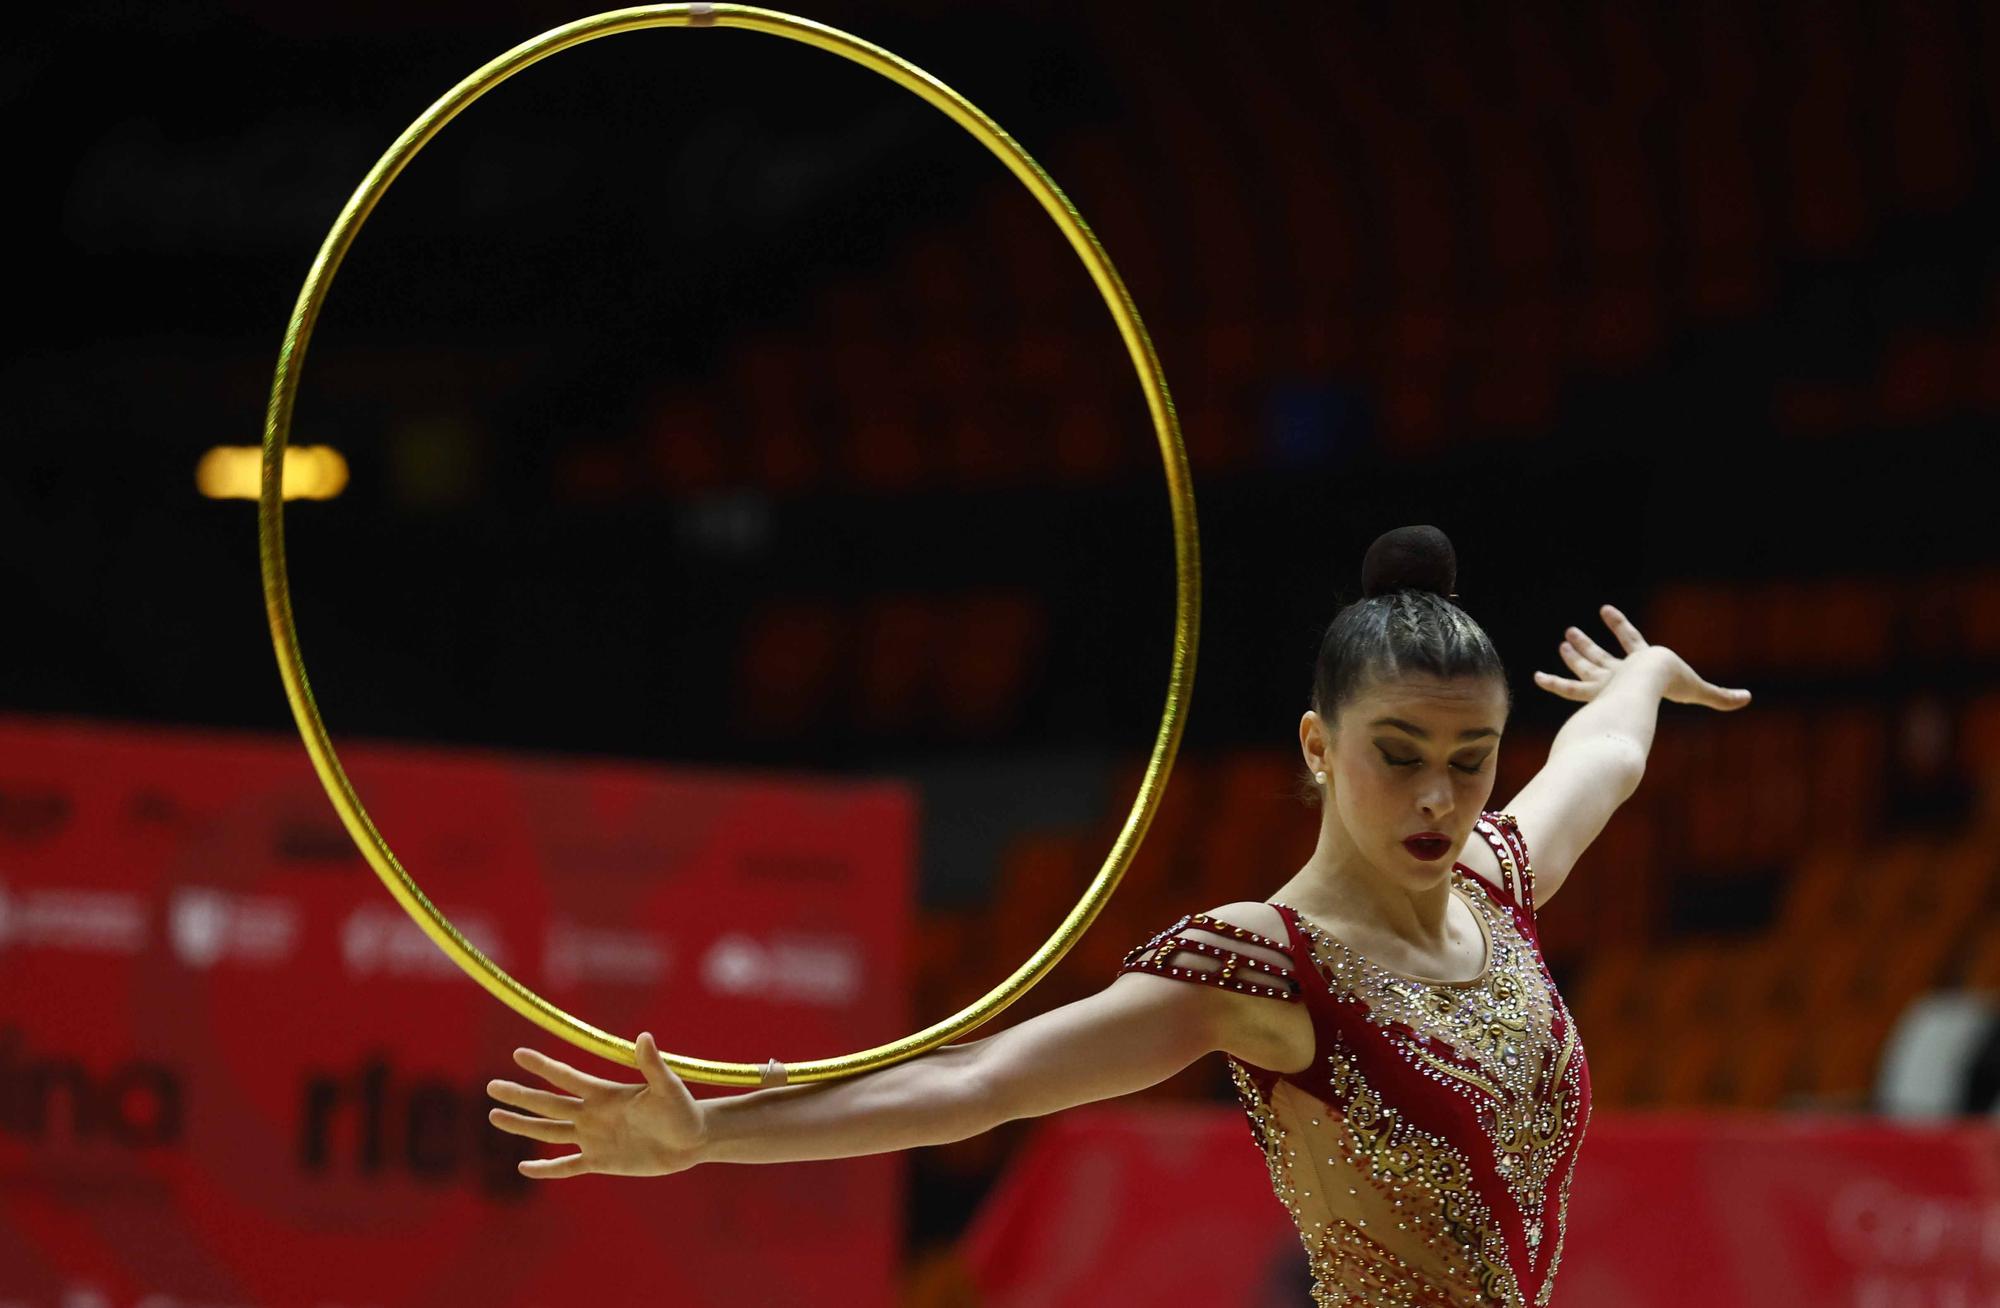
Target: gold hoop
(277, 592)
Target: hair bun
(1410, 558)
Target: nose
(1435, 802)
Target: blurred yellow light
(232, 472)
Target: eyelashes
(1412, 762)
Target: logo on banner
(613, 955)
(1880, 1224)
(79, 921)
(822, 970)
(383, 941)
(380, 1123)
(136, 1104)
(209, 926)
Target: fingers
(1621, 627)
(535, 1128)
(1724, 698)
(1578, 663)
(534, 1101)
(553, 1169)
(651, 1065)
(560, 1074)
(1562, 686)
(1587, 647)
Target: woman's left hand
(1594, 667)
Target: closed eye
(1412, 762)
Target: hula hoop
(276, 581)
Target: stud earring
(1320, 777)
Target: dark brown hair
(1407, 620)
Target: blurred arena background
(731, 445)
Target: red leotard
(1425, 1153)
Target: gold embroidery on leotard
(1390, 1214)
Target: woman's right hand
(619, 1129)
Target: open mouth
(1427, 848)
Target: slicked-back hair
(1395, 634)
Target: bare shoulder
(1479, 859)
(1253, 915)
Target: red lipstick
(1428, 845)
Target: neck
(1337, 884)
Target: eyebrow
(1417, 731)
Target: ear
(1315, 742)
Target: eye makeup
(1393, 761)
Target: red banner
(233, 1072)
(1135, 1205)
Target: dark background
(711, 400)
(602, 236)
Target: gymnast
(1413, 1079)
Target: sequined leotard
(1425, 1154)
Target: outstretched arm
(1126, 1037)
(1599, 755)
(1134, 1033)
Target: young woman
(1409, 1071)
